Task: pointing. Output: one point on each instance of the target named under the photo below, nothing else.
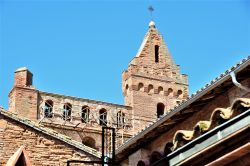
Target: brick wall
(222, 101)
(41, 149)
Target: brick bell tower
(23, 98)
(153, 84)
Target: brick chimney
(23, 97)
(23, 77)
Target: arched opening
(179, 93)
(150, 88)
(126, 89)
(170, 92)
(156, 53)
(120, 119)
(160, 90)
(85, 114)
(48, 109)
(168, 148)
(103, 117)
(140, 86)
(67, 108)
(160, 109)
(155, 156)
(141, 163)
(89, 141)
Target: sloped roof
(52, 133)
(182, 111)
(240, 104)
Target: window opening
(156, 53)
(103, 117)
(140, 86)
(120, 119)
(67, 112)
(85, 114)
(48, 109)
(160, 109)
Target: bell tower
(153, 84)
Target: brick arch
(160, 109)
(155, 156)
(142, 163)
(140, 86)
(168, 148)
(160, 90)
(89, 141)
(103, 117)
(126, 90)
(150, 88)
(85, 114)
(179, 93)
(170, 92)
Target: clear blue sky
(80, 48)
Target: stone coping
(86, 100)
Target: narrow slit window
(120, 119)
(160, 109)
(156, 53)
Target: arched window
(120, 119)
(150, 88)
(179, 93)
(160, 109)
(85, 114)
(67, 108)
(103, 117)
(48, 109)
(160, 90)
(126, 89)
(170, 92)
(156, 53)
(89, 141)
(140, 86)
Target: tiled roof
(239, 105)
(184, 138)
(47, 131)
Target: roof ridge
(50, 132)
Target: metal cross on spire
(151, 9)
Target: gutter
(197, 95)
(209, 139)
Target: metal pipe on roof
(236, 83)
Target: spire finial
(151, 9)
(151, 24)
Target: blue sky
(80, 48)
